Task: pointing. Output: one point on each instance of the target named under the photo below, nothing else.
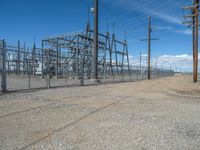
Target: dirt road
(158, 114)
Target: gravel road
(157, 114)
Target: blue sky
(22, 19)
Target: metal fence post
(3, 67)
(48, 80)
(29, 74)
(82, 71)
(141, 73)
(42, 60)
(137, 73)
(18, 65)
(48, 68)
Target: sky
(22, 19)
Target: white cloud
(136, 61)
(182, 62)
(142, 7)
(186, 31)
(162, 16)
(163, 28)
(133, 60)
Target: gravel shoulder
(157, 114)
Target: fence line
(32, 68)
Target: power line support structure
(149, 39)
(149, 47)
(194, 23)
(196, 39)
(95, 49)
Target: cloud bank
(182, 62)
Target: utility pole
(149, 47)
(196, 40)
(194, 23)
(193, 44)
(95, 50)
(149, 39)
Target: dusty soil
(157, 114)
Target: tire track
(84, 117)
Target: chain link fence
(23, 68)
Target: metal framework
(71, 54)
(69, 57)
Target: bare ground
(157, 114)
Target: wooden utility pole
(194, 23)
(95, 50)
(196, 40)
(149, 47)
(193, 43)
(149, 39)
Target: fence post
(48, 68)
(3, 67)
(141, 73)
(42, 60)
(29, 74)
(82, 71)
(48, 80)
(18, 65)
(137, 72)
